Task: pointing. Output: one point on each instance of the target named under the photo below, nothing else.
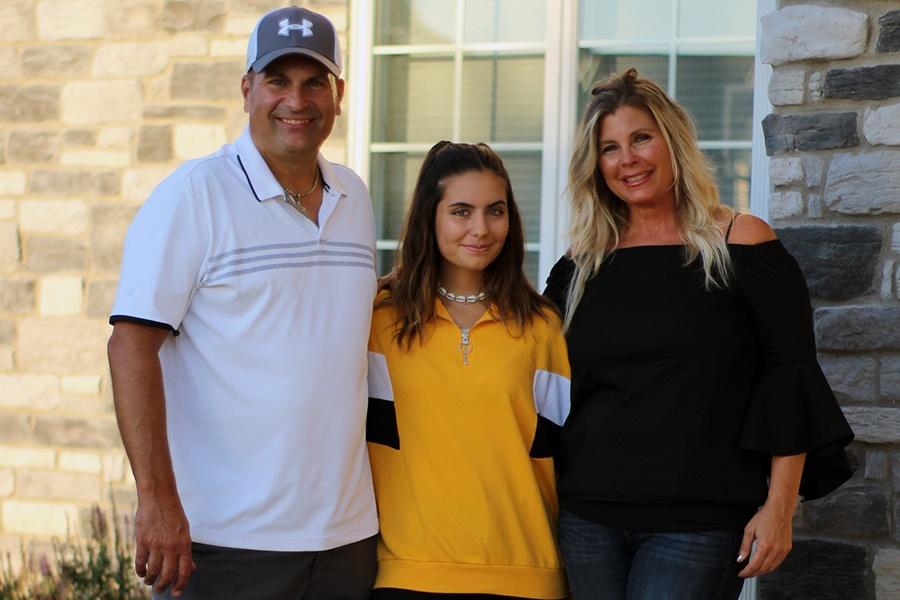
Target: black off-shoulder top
(681, 395)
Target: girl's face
(471, 223)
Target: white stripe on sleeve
(551, 396)
(379, 379)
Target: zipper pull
(465, 346)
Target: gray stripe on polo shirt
(290, 246)
(265, 257)
(318, 263)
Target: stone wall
(834, 143)
(99, 99)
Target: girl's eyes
(460, 212)
(496, 211)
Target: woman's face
(634, 158)
(471, 223)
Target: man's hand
(163, 544)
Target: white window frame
(560, 50)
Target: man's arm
(163, 540)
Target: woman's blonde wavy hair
(599, 217)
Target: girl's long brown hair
(414, 280)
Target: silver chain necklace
(294, 198)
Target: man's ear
(339, 93)
(246, 86)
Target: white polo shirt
(265, 379)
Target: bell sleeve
(793, 409)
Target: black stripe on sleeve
(381, 423)
(546, 439)
(138, 321)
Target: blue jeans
(611, 563)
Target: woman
(694, 373)
(468, 380)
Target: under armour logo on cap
(287, 27)
(274, 36)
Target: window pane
(733, 176)
(594, 67)
(502, 99)
(415, 22)
(625, 19)
(702, 18)
(504, 21)
(413, 100)
(718, 91)
(392, 179)
(524, 170)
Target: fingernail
(740, 558)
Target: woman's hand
(772, 531)
(771, 527)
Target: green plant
(97, 569)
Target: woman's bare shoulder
(750, 230)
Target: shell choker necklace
(461, 298)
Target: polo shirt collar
(260, 178)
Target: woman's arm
(771, 526)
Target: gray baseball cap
(294, 30)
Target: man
(238, 356)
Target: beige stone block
(30, 146)
(240, 25)
(87, 157)
(12, 182)
(62, 345)
(27, 390)
(81, 462)
(156, 89)
(15, 456)
(56, 61)
(228, 48)
(16, 20)
(45, 255)
(89, 102)
(81, 432)
(9, 62)
(132, 58)
(192, 141)
(129, 17)
(189, 45)
(138, 183)
(83, 385)
(57, 485)
(39, 518)
(7, 359)
(80, 137)
(100, 298)
(114, 467)
(7, 331)
(24, 103)
(9, 246)
(61, 295)
(207, 81)
(7, 483)
(71, 405)
(69, 182)
(193, 15)
(65, 217)
(8, 209)
(16, 295)
(110, 224)
(155, 143)
(114, 137)
(71, 19)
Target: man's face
(292, 105)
